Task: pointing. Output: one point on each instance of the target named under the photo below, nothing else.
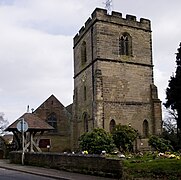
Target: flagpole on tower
(108, 6)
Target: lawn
(152, 167)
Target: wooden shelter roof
(34, 123)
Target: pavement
(47, 172)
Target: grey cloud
(36, 56)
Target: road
(16, 175)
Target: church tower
(113, 75)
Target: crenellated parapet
(116, 18)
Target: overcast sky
(36, 41)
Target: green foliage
(173, 138)
(160, 144)
(154, 169)
(124, 137)
(173, 95)
(96, 141)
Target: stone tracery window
(52, 121)
(125, 44)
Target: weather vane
(108, 6)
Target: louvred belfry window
(125, 44)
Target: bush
(173, 138)
(124, 137)
(160, 144)
(96, 141)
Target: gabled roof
(50, 100)
(52, 104)
(69, 108)
(34, 123)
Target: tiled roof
(34, 123)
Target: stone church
(113, 75)
(113, 82)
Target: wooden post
(31, 142)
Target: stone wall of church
(60, 138)
(119, 86)
(126, 93)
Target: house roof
(33, 121)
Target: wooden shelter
(36, 126)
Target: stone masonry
(113, 87)
(113, 83)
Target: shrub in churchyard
(96, 141)
(124, 136)
(160, 144)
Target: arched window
(125, 44)
(52, 121)
(83, 53)
(112, 124)
(85, 120)
(145, 128)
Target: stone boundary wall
(87, 164)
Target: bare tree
(170, 130)
(3, 124)
(170, 121)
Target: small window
(125, 44)
(83, 53)
(85, 93)
(145, 128)
(112, 124)
(52, 121)
(85, 119)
